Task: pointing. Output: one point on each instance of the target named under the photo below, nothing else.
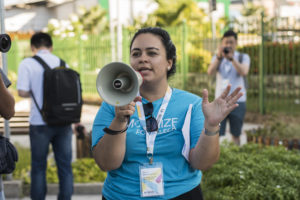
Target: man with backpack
(55, 93)
(231, 67)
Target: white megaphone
(118, 84)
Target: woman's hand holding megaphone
(124, 112)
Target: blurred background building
(34, 15)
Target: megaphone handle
(128, 119)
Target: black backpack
(8, 156)
(62, 94)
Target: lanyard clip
(151, 160)
(150, 157)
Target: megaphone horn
(118, 84)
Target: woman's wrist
(114, 132)
(211, 130)
(118, 125)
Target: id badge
(151, 180)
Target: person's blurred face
(229, 42)
(148, 56)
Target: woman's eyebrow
(148, 48)
(135, 49)
(152, 48)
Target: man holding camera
(231, 67)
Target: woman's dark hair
(40, 39)
(167, 42)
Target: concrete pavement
(74, 197)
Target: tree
(92, 21)
(173, 14)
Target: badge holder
(151, 180)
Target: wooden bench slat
(18, 124)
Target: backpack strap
(62, 63)
(241, 55)
(42, 62)
(35, 102)
(46, 67)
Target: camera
(5, 43)
(226, 50)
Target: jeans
(236, 120)
(2, 197)
(61, 139)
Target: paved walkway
(74, 197)
(246, 126)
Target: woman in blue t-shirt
(171, 134)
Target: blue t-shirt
(179, 177)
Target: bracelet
(113, 132)
(208, 133)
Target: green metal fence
(274, 50)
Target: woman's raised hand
(217, 110)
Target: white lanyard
(150, 137)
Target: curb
(14, 189)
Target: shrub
(250, 172)
(84, 170)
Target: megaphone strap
(113, 132)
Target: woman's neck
(153, 92)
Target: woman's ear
(170, 61)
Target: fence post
(184, 61)
(262, 109)
(80, 59)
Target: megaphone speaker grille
(107, 77)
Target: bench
(19, 124)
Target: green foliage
(84, 170)
(282, 58)
(92, 21)
(277, 128)
(250, 9)
(199, 59)
(22, 171)
(250, 172)
(174, 14)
